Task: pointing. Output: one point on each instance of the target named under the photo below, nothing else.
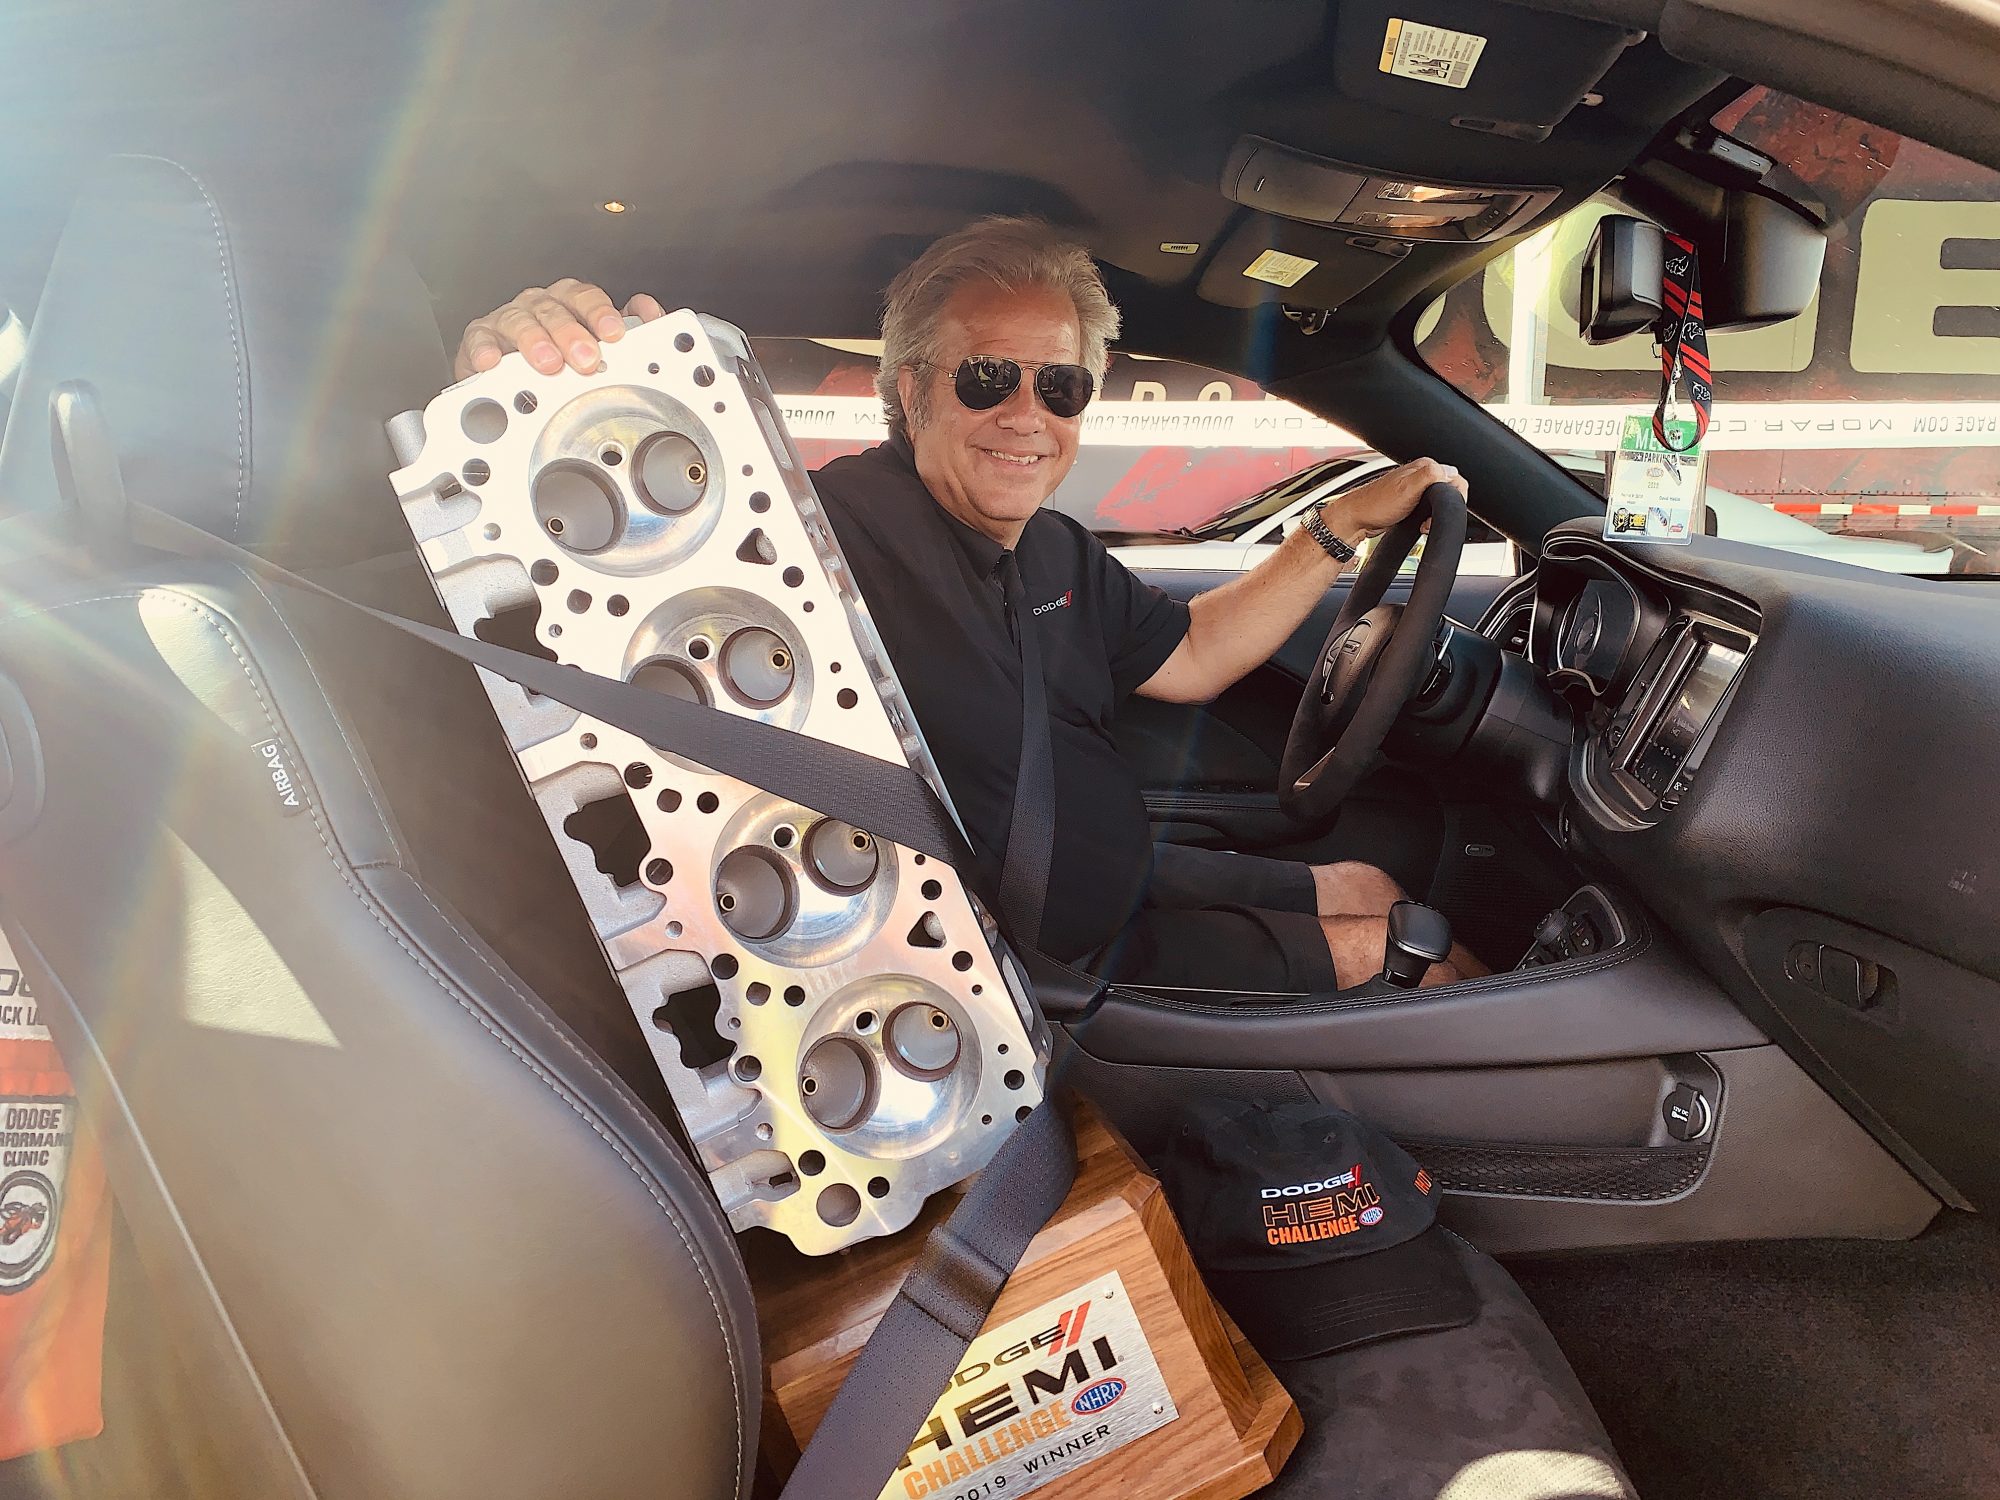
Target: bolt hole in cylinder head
(484, 420)
(839, 1205)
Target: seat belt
(942, 1303)
(1031, 830)
(966, 1260)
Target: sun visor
(1476, 64)
(1274, 260)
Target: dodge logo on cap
(1313, 1228)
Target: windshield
(1866, 430)
(1239, 520)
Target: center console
(1587, 924)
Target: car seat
(403, 1215)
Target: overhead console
(1411, 132)
(1280, 179)
(1325, 230)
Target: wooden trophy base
(1127, 1380)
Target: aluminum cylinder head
(838, 1024)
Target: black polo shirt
(931, 585)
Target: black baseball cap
(1313, 1228)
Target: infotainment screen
(1687, 713)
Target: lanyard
(1683, 343)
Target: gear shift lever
(1419, 936)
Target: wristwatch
(1315, 527)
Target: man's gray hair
(1015, 254)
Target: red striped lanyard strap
(1683, 344)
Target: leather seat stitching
(361, 766)
(208, 616)
(235, 334)
(1489, 984)
(472, 943)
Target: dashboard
(1787, 762)
(1651, 659)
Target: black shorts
(1216, 921)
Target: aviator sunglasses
(984, 381)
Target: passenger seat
(407, 1228)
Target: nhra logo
(1091, 1400)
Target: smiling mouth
(1018, 460)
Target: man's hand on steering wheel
(551, 326)
(1372, 508)
(1376, 654)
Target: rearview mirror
(1760, 251)
(1621, 270)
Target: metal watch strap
(1333, 546)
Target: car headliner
(782, 160)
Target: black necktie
(1031, 832)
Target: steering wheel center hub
(1350, 660)
(1377, 657)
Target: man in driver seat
(993, 342)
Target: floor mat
(1818, 1369)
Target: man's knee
(1356, 945)
(1350, 888)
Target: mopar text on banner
(1762, 426)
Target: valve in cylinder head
(728, 648)
(756, 893)
(623, 479)
(884, 1068)
(773, 889)
(757, 667)
(670, 473)
(840, 856)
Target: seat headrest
(246, 349)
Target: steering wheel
(1375, 659)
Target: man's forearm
(1239, 626)
(1243, 623)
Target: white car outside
(1242, 536)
